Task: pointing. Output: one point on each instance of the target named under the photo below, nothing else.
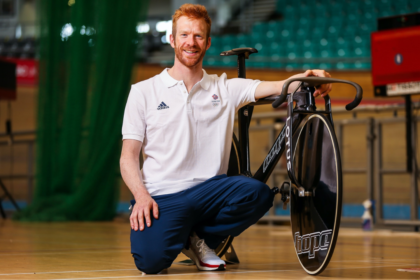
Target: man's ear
(208, 43)
(172, 40)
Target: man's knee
(152, 263)
(259, 188)
(263, 196)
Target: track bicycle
(313, 163)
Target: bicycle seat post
(245, 113)
(242, 53)
(241, 66)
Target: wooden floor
(102, 251)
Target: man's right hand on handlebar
(266, 89)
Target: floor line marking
(75, 271)
(111, 270)
(213, 272)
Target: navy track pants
(214, 209)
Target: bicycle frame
(303, 100)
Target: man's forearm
(130, 172)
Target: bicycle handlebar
(316, 81)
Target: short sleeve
(134, 125)
(241, 91)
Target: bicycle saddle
(238, 51)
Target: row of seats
(289, 66)
(345, 7)
(18, 48)
(311, 31)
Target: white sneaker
(203, 257)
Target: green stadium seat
(308, 54)
(320, 10)
(308, 44)
(383, 5)
(293, 54)
(362, 65)
(241, 39)
(324, 43)
(290, 12)
(333, 30)
(414, 6)
(290, 66)
(275, 65)
(290, 45)
(229, 61)
(400, 3)
(263, 49)
(342, 42)
(361, 41)
(336, 20)
(327, 52)
(350, 31)
(353, 18)
(343, 65)
(258, 37)
(275, 26)
(317, 32)
(308, 66)
(216, 41)
(368, 5)
(286, 34)
(302, 34)
(344, 52)
(274, 48)
(401, 10)
(361, 52)
(321, 22)
(260, 61)
(354, 6)
(305, 11)
(366, 29)
(324, 65)
(212, 51)
(269, 35)
(259, 27)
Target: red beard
(190, 61)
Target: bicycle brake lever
(316, 81)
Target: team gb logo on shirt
(215, 100)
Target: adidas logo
(162, 106)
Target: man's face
(190, 41)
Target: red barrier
(26, 71)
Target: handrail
(277, 114)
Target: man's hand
(130, 171)
(141, 212)
(266, 89)
(324, 89)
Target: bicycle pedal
(285, 194)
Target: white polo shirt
(186, 136)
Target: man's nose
(191, 40)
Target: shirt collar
(170, 82)
(205, 81)
(167, 79)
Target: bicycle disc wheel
(315, 218)
(233, 170)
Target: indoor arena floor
(102, 251)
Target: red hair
(193, 12)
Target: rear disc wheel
(315, 218)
